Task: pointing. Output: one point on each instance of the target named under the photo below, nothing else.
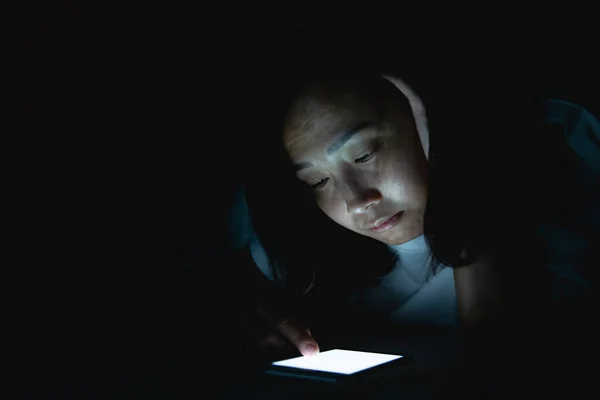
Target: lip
(386, 224)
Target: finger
(256, 332)
(299, 337)
(297, 334)
(273, 340)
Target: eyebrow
(347, 136)
(338, 144)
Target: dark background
(123, 132)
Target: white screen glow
(344, 362)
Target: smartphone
(336, 365)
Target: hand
(266, 329)
(293, 331)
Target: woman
(441, 194)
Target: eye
(364, 158)
(320, 184)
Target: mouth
(384, 225)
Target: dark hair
(482, 134)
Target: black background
(123, 129)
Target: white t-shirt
(411, 293)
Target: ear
(418, 110)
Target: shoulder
(579, 127)
(568, 231)
(241, 234)
(239, 225)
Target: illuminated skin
(365, 161)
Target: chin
(398, 236)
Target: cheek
(404, 178)
(404, 187)
(337, 211)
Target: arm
(264, 313)
(262, 301)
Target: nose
(360, 200)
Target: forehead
(314, 122)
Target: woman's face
(364, 161)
